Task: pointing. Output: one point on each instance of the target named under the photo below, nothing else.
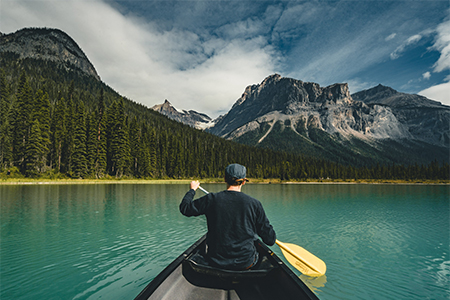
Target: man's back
(234, 221)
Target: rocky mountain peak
(191, 117)
(287, 96)
(280, 93)
(48, 44)
(270, 80)
(335, 92)
(383, 95)
(166, 107)
(370, 96)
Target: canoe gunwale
(156, 282)
(280, 273)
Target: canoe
(189, 277)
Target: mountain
(426, 120)
(48, 45)
(327, 122)
(58, 119)
(387, 96)
(191, 117)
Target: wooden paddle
(298, 257)
(302, 259)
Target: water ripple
(92, 242)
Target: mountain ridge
(191, 117)
(378, 124)
(427, 120)
(292, 115)
(48, 44)
(384, 95)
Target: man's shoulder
(248, 198)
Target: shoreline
(28, 181)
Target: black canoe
(187, 277)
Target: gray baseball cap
(235, 171)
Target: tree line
(80, 128)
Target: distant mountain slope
(384, 95)
(302, 117)
(306, 105)
(426, 120)
(191, 118)
(47, 44)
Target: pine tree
(41, 112)
(90, 143)
(5, 124)
(150, 154)
(100, 161)
(4, 90)
(163, 154)
(123, 157)
(79, 148)
(22, 120)
(111, 141)
(69, 137)
(58, 130)
(135, 148)
(34, 151)
(70, 91)
(118, 140)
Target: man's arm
(188, 207)
(265, 229)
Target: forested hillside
(56, 122)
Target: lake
(107, 241)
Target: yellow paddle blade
(303, 260)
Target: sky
(201, 55)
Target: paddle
(300, 258)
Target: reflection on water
(314, 283)
(87, 241)
(109, 241)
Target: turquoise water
(109, 241)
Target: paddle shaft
(203, 190)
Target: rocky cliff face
(291, 115)
(48, 44)
(306, 105)
(191, 118)
(426, 120)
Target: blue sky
(202, 54)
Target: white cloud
(147, 65)
(329, 42)
(390, 37)
(440, 92)
(442, 45)
(356, 85)
(400, 49)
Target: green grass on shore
(12, 181)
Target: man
(234, 220)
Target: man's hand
(195, 184)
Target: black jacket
(234, 220)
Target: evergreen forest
(57, 122)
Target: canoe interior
(181, 280)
